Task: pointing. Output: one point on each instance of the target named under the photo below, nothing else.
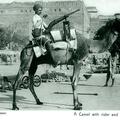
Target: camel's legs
(32, 71)
(25, 65)
(114, 61)
(111, 70)
(74, 80)
(15, 86)
(108, 72)
(107, 78)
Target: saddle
(61, 43)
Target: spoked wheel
(37, 81)
(25, 82)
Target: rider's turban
(37, 6)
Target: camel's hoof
(105, 85)
(15, 107)
(78, 107)
(39, 103)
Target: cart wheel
(37, 81)
(25, 82)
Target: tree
(14, 34)
(4, 37)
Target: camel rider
(39, 27)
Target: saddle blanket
(39, 51)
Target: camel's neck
(83, 46)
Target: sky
(106, 7)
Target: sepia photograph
(60, 55)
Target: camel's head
(103, 39)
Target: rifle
(54, 22)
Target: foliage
(20, 38)
(8, 35)
(4, 37)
